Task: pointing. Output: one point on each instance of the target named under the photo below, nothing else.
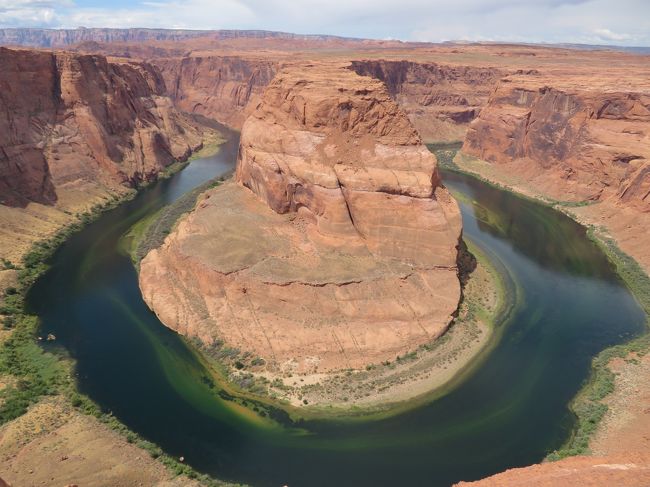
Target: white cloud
(589, 21)
(608, 35)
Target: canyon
(315, 187)
(335, 248)
(576, 142)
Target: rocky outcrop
(336, 246)
(569, 139)
(440, 100)
(226, 88)
(70, 121)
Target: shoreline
(414, 379)
(46, 374)
(588, 404)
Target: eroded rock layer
(336, 246)
(440, 100)
(572, 139)
(226, 88)
(71, 121)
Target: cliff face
(34, 37)
(334, 145)
(440, 100)
(571, 141)
(226, 88)
(70, 120)
(337, 248)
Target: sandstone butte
(75, 130)
(335, 248)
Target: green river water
(510, 411)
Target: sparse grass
(150, 232)
(588, 406)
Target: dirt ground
(55, 445)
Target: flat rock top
(232, 231)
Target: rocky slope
(439, 99)
(335, 248)
(632, 470)
(76, 128)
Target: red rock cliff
(574, 141)
(336, 249)
(440, 100)
(226, 88)
(69, 120)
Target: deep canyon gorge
(336, 248)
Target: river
(510, 411)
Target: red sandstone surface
(336, 249)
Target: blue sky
(618, 22)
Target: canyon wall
(226, 88)
(78, 128)
(336, 246)
(73, 118)
(580, 142)
(440, 100)
(576, 142)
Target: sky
(614, 22)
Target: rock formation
(70, 121)
(226, 88)
(336, 246)
(576, 141)
(439, 99)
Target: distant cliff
(579, 141)
(440, 100)
(66, 37)
(226, 88)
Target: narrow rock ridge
(336, 246)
